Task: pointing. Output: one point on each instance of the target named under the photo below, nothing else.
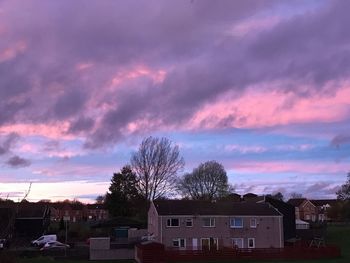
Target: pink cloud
(287, 167)
(57, 130)
(268, 107)
(13, 51)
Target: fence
(148, 254)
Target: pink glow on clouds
(288, 166)
(139, 71)
(55, 131)
(36, 149)
(11, 52)
(265, 108)
(83, 66)
(253, 25)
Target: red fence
(159, 254)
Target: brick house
(188, 224)
(323, 206)
(304, 209)
(96, 212)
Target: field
(336, 235)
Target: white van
(43, 240)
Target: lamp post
(66, 220)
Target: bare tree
(156, 164)
(208, 181)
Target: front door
(194, 243)
(205, 242)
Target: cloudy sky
(260, 86)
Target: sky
(262, 87)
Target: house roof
(296, 201)
(191, 207)
(322, 202)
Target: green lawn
(49, 260)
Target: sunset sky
(261, 86)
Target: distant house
(96, 212)
(304, 209)
(288, 212)
(187, 224)
(323, 206)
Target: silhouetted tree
(156, 164)
(206, 182)
(123, 193)
(100, 199)
(278, 196)
(344, 191)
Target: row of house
(32, 219)
(188, 224)
(249, 222)
(76, 212)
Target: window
(172, 222)
(253, 222)
(237, 242)
(209, 222)
(179, 242)
(209, 243)
(251, 242)
(189, 222)
(236, 222)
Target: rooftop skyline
(260, 86)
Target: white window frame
(179, 243)
(253, 225)
(233, 225)
(211, 221)
(234, 241)
(187, 220)
(251, 238)
(170, 224)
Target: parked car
(3, 243)
(54, 245)
(41, 241)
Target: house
(288, 212)
(304, 209)
(189, 224)
(32, 219)
(6, 222)
(323, 206)
(96, 212)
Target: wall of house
(308, 211)
(154, 223)
(268, 232)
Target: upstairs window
(236, 222)
(189, 222)
(253, 222)
(209, 222)
(173, 222)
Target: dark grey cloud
(339, 140)
(7, 142)
(18, 162)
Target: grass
(51, 260)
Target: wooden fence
(158, 254)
